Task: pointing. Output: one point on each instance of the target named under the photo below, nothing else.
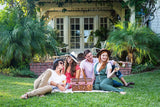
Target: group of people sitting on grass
(100, 69)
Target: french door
(80, 34)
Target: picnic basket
(82, 84)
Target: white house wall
(155, 24)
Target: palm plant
(137, 41)
(22, 37)
(102, 35)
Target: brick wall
(39, 68)
(127, 69)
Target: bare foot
(25, 96)
(123, 93)
(29, 89)
(41, 96)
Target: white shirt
(109, 66)
(88, 67)
(56, 78)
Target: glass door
(81, 37)
(88, 32)
(75, 33)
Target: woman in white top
(49, 80)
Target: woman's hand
(61, 87)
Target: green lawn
(146, 93)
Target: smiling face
(89, 57)
(104, 56)
(60, 65)
(69, 60)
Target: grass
(144, 94)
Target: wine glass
(116, 67)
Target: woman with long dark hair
(72, 69)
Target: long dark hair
(73, 67)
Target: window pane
(72, 33)
(72, 27)
(90, 26)
(61, 32)
(77, 27)
(85, 20)
(77, 39)
(61, 20)
(61, 27)
(57, 26)
(77, 45)
(75, 33)
(91, 20)
(101, 20)
(77, 20)
(105, 20)
(85, 27)
(57, 21)
(71, 20)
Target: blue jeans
(117, 84)
(118, 75)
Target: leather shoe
(128, 86)
(131, 83)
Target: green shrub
(7, 71)
(142, 67)
(24, 73)
(17, 72)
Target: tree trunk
(130, 55)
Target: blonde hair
(103, 63)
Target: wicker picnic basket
(82, 84)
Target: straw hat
(73, 55)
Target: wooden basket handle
(84, 76)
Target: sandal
(25, 96)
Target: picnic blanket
(70, 91)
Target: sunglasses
(61, 63)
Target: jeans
(118, 74)
(117, 84)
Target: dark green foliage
(21, 37)
(28, 6)
(23, 73)
(20, 72)
(102, 35)
(138, 68)
(140, 43)
(143, 8)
